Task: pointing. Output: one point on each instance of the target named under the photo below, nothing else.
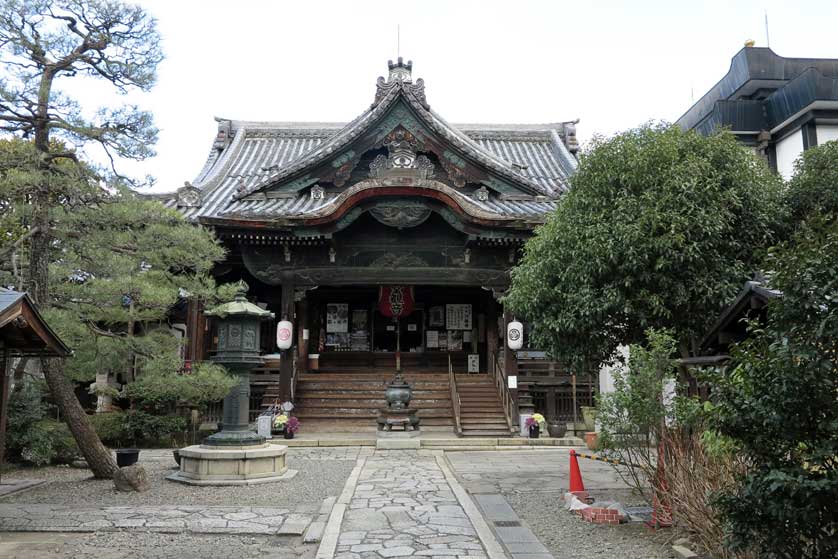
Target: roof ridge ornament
(400, 71)
(400, 76)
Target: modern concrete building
(779, 106)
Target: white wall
(788, 150)
(827, 132)
(606, 373)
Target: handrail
(293, 376)
(455, 398)
(499, 376)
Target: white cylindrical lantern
(284, 337)
(515, 335)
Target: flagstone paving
(403, 506)
(194, 519)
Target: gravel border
(567, 535)
(316, 480)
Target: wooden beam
(286, 364)
(302, 327)
(4, 405)
(510, 362)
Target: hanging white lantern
(515, 335)
(284, 334)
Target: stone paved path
(194, 519)
(403, 506)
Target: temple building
(386, 241)
(779, 106)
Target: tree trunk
(99, 458)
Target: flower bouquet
(291, 427)
(280, 421)
(535, 423)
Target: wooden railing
(501, 384)
(455, 398)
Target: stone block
(398, 444)
(346, 442)
(131, 478)
(314, 532)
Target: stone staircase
(481, 411)
(348, 400)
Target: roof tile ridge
(220, 164)
(480, 153)
(285, 124)
(336, 142)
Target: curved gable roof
(251, 157)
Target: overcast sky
(611, 64)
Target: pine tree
(43, 42)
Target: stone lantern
(239, 327)
(236, 455)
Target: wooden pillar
(286, 363)
(195, 325)
(302, 327)
(491, 333)
(4, 405)
(510, 363)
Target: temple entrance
(349, 331)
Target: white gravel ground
(145, 545)
(567, 535)
(316, 480)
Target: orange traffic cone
(576, 484)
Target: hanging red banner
(395, 300)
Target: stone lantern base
(231, 465)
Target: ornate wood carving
(400, 214)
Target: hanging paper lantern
(395, 300)
(284, 336)
(515, 335)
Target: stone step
(361, 412)
(371, 394)
(500, 425)
(418, 403)
(365, 385)
(488, 433)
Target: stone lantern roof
(238, 307)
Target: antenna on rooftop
(767, 39)
(398, 40)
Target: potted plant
(556, 428)
(280, 421)
(535, 423)
(291, 427)
(128, 456)
(589, 417)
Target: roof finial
(400, 71)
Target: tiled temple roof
(247, 157)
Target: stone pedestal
(231, 465)
(403, 419)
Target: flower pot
(176, 454)
(127, 456)
(288, 434)
(534, 431)
(589, 417)
(591, 439)
(557, 429)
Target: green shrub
(24, 441)
(111, 427)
